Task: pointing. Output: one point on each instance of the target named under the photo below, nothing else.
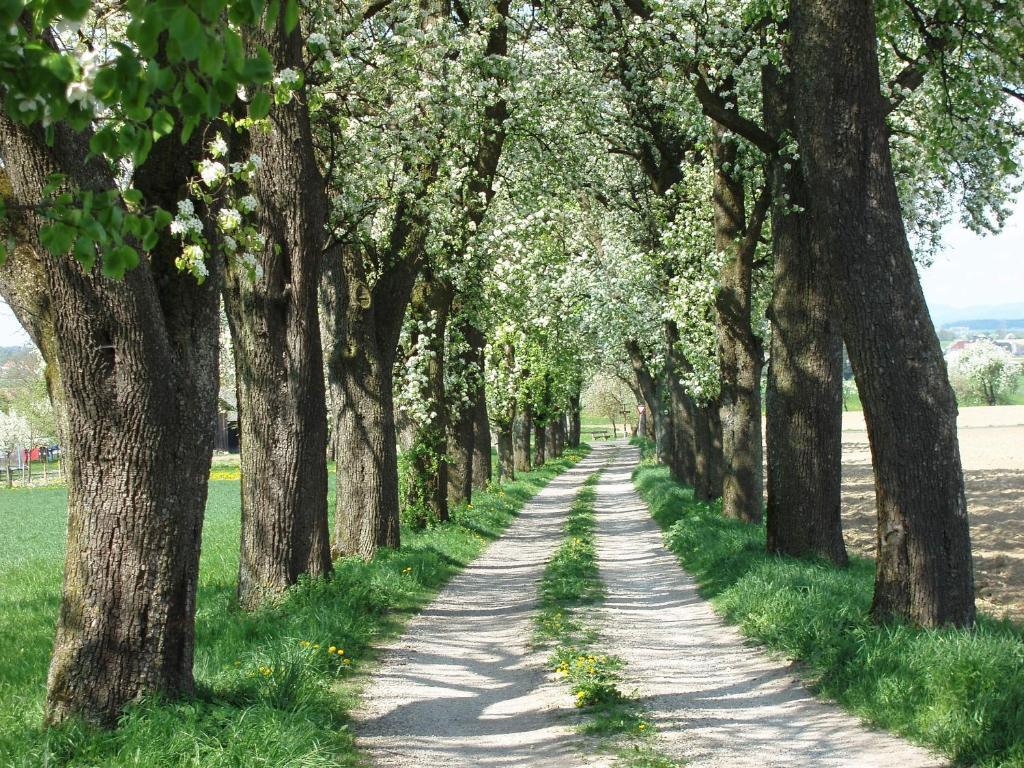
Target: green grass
(591, 422)
(1017, 398)
(267, 696)
(570, 585)
(961, 692)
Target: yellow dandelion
(341, 651)
(332, 649)
(347, 661)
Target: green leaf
(291, 15)
(163, 124)
(187, 31)
(107, 84)
(72, 9)
(119, 260)
(133, 196)
(85, 252)
(162, 219)
(259, 107)
(259, 69)
(211, 62)
(233, 50)
(57, 238)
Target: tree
(924, 571)
(610, 397)
(129, 322)
(983, 371)
(276, 216)
(14, 436)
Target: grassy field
(275, 685)
(961, 692)
(590, 423)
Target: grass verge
(960, 692)
(274, 686)
(571, 584)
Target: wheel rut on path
(462, 687)
(716, 701)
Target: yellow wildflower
(332, 649)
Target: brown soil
(992, 451)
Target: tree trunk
(506, 457)
(462, 428)
(539, 443)
(360, 343)
(551, 437)
(924, 570)
(575, 425)
(138, 376)
(426, 487)
(708, 456)
(738, 348)
(282, 410)
(483, 469)
(804, 415)
(682, 455)
(522, 428)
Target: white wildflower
(229, 219)
(211, 172)
(218, 147)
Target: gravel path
(715, 700)
(461, 686)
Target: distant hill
(1010, 314)
(988, 324)
(16, 353)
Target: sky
(970, 271)
(973, 270)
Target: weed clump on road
(570, 585)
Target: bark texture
(804, 412)
(539, 443)
(682, 457)
(483, 467)
(924, 570)
(462, 426)
(575, 422)
(136, 360)
(739, 349)
(278, 358)
(362, 327)
(522, 429)
(506, 460)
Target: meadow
(273, 686)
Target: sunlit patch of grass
(271, 691)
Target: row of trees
(325, 188)
(428, 218)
